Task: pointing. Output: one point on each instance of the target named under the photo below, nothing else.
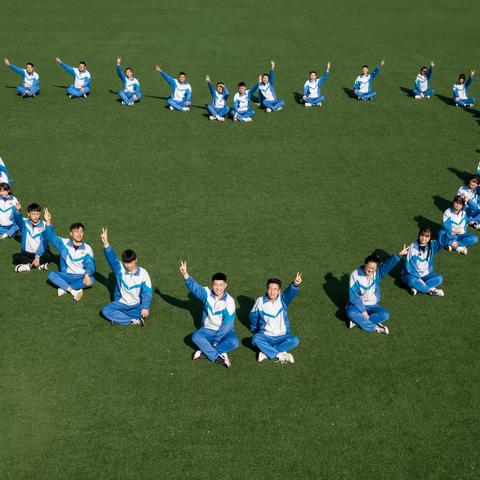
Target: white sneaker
(221, 119)
(248, 119)
(279, 108)
(261, 357)
(211, 117)
(23, 268)
(4, 236)
(476, 226)
(138, 321)
(70, 97)
(123, 103)
(43, 266)
(436, 292)
(61, 291)
(462, 250)
(186, 109)
(197, 354)
(171, 108)
(308, 104)
(131, 104)
(350, 324)
(418, 96)
(413, 291)
(382, 329)
(448, 248)
(319, 104)
(285, 357)
(289, 357)
(268, 110)
(226, 360)
(427, 97)
(84, 95)
(77, 294)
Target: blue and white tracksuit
(133, 292)
(80, 79)
(422, 84)
(217, 334)
(453, 221)
(8, 209)
(460, 93)
(218, 107)
(241, 104)
(34, 238)
(31, 82)
(362, 87)
(131, 87)
(418, 271)
(472, 198)
(3, 173)
(181, 92)
(270, 325)
(364, 296)
(312, 89)
(75, 262)
(268, 97)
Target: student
(312, 96)
(269, 321)
(35, 250)
(81, 79)
(133, 289)
(181, 91)
(362, 87)
(455, 226)
(4, 173)
(363, 307)
(470, 192)
(422, 83)
(241, 103)
(8, 205)
(418, 271)
(131, 92)
(77, 265)
(219, 108)
(266, 89)
(217, 336)
(460, 91)
(31, 80)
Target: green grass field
(311, 190)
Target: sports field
(310, 190)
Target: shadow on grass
(298, 97)
(446, 100)
(107, 282)
(349, 92)
(407, 91)
(423, 222)
(337, 291)
(245, 305)
(441, 203)
(463, 176)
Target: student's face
(365, 70)
(457, 206)
(242, 90)
(273, 291)
(219, 287)
(4, 193)
(424, 71)
(313, 77)
(220, 88)
(131, 266)
(473, 184)
(424, 238)
(461, 81)
(370, 268)
(265, 79)
(29, 69)
(81, 67)
(77, 235)
(128, 73)
(34, 216)
(182, 78)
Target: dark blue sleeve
(387, 265)
(289, 294)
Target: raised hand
(404, 250)
(207, 78)
(272, 63)
(57, 59)
(157, 68)
(7, 62)
(382, 62)
(104, 237)
(298, 279)
(329, 65)
(260, 79)
(183, 269)
(472, 73)
(47, 216)
(432, 64)
(119, 60)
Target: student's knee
(196, 337)
(256, 339)
(473, 239)
(295, 341)
(439, 278)
(384, 315)
(53, 277)
(235, 342)
(106, 311)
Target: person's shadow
(407, 91)
(192, 305)
(245, 305)
(444, 99)
(298, 97)
(349, 92)
(107, 282)
(424, 222)
(463, 176)
(441, 203)
(337, 291)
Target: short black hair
(424, 68)
(242, 84)
(365, 66)
(129, 255)
(313, 71)
(219, 276)
(473, 177)
(4, 186)
(372, 258)
(129, 68)
(274, 280)
(220, 84)
(265, 75)
(462, 75)
(76, 225)
(82, 63)
(30, 63)
(458, 199)
(182, 73)
(34, 207)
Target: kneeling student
(35, 250)
(77, 265)
(217, 336)
(8, 206)
(133, 289)
(269, 321)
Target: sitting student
(81, 79)
(8, 205)
(470, 192)
(133, 289)
(363, 307)
(181, 91)
(269, 321)
(77, 265)
(31, 80)
(4, 173)
(266, 89)
(422, 83)
(312, 96)
(455, 225)
(35, 251)
(218, 109)
(460, 91)
(131, 92)
(217, 336)
(241, 103)
(418, 271)
(362, 87)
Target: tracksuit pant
(69, 280)
(218, 112)
(272, 346)
(121, 313)
(376, 313)
(203, 339)
(425, 283)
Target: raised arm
(66, 67)
(18, 70)
(110, 255)
(210, 86)
(291, 291)
(193, 287)
(253, 90)
(120, 73)
(430, 70)
(325, 76)
(390, 262)
(470, 79)
(167, 77)
(52, 237)
(271, 75)
(375, 72)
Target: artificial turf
(311, 190)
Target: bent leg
(10, 230)
(265, 344)
(21, 90)
(212, 110)
(416, 283)
(316, 101)
(433, 280)
(369, 95)
(123, 97)
(23, 258)
(286, 343)
(120, 313)
(364, 323)
(74, 92)
(176, 105)
(203, 338)
(467, 240)
(378, 314)
(228, 343)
